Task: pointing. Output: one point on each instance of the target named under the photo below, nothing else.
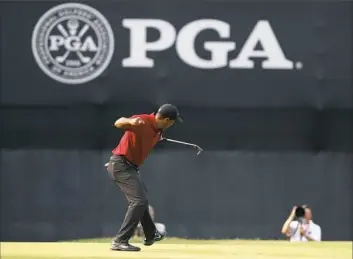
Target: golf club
(62, 58)
(83, 58)
(198, 148)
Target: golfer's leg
(131, 185)
(147, 223)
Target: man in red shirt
(142, 133)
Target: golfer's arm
(285, 227)
(123, 123)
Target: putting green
(232, 249)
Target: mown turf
(180, 249)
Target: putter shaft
(179, 142)
(199, 150)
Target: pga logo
(271, 54)
(73, 43)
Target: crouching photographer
(299, 227)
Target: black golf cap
(170, 111)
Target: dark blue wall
(272, 138)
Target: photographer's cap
(170, 111)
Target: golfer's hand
(136, 121)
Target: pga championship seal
(73, 43)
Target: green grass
(174, 248)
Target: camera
(300, 213)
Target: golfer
(142, 132)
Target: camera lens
(299, 212)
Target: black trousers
(127, 177)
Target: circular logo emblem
(73, 43)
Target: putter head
(199, 150)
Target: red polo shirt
(138, 140)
